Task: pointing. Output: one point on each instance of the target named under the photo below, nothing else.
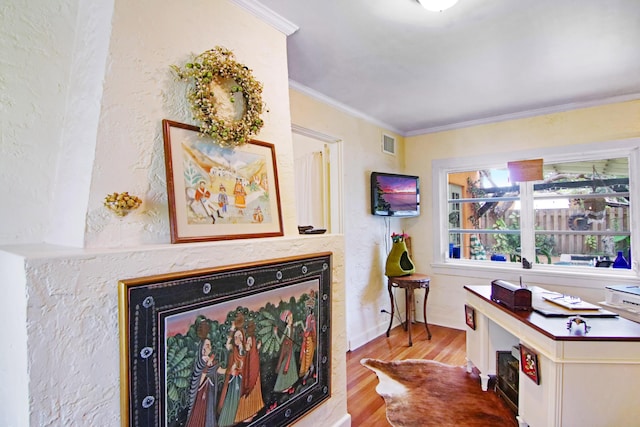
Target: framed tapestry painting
(244, 345)
(219, 193)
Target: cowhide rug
(428, 393)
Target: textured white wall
(140, 90)
(590, 125)
(36, 41)
(71, 367)
(367, 237)
(75, 160)
(14, 394)
(84, 89)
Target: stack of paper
(569, 302)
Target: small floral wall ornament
(122, 203)
(226, 99)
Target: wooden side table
(409, 283)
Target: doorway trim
(332, 160)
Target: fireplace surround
(60, 317)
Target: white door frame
(333, 185)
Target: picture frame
(216, 192)
(470, 316)
(264, 328)
(529, 363)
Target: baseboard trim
(345, 421)
(372, 333)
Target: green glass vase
(398, 261)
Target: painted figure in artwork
(223, 199)
(287, 367)
(258, 216)
(203, 391)
(202, 196)
(240, 196)
(309, 340)
(232, 388)
(529, 365)
(251, 400)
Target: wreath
(216, 66)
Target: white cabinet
(586, 379)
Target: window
(581, 212)
(454, 217)
(488, 216)
(578, 216)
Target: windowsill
(588, 277)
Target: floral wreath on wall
(215, 67)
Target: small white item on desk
(570, 302)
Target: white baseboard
(355, 341)
(448, 320)
(345, 421)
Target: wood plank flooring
(363, 403)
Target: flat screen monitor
(395, 194)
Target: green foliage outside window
(509, 244)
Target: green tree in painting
(181, 350)
(181, 354)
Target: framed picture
(245, 345)
(218, 193)
(470, 316)
(529, 363)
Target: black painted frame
(148, 305)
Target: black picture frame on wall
(207, 342)
(529, 363)
(470, 316)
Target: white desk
(590, 379)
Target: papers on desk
(555, 304)
(569, 302)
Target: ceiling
(414, 71)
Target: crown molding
(339, 106)
(460, 125)
(267, 15)
(301, 130)
(526, 114)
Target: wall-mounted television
(395, 194)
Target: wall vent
(388, 144)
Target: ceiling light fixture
(437, 5)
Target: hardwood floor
(363, 403)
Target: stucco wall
(14, 396)
(140, 90)
(63, 368)
(367, 237)
(87, 85)
(583, 126)
(84, 93)
(36, 40)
